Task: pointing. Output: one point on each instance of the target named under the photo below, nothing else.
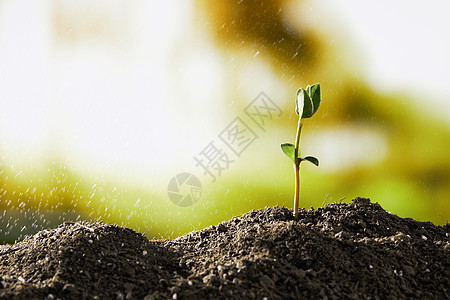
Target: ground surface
(341, 251)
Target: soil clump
(341, 251)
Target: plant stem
(296, 168)
(297, 192)
(297, 138)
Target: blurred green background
(102, 103)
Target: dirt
(341, 251)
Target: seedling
(306, 104)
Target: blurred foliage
(413, 180)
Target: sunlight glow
(346, 148)
(398, 45)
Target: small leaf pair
(289, 150)
(308, 101)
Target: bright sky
(105, 98)
(406, 44)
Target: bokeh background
(102, 103)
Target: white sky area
(405, 44)
(140, 96)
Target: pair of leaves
(289, 150)
(308, 101)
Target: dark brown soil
(341, 251)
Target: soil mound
(341, 251)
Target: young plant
(306, 104)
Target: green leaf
(316, 96)
(312, 160)
(289, 150)
(308, 90)
(300, 101)
(304, 99)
